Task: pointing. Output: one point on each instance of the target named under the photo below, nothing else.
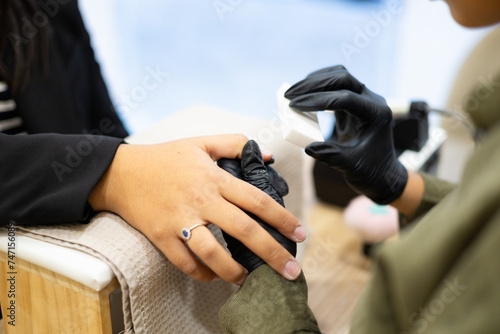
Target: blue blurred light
(235, 54)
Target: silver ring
(186, 232)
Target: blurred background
(162, 56)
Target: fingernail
(216, 278)
(241, 281)
(292, 270)
(300, 233)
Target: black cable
(453, 114)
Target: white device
(299, 128)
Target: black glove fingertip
(277, 182)
(297, 89)
(270, 161)
(303, 103)
(317, 149)
(289, 93)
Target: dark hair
(26, 50)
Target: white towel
(157, 297)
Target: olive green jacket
(442, 276)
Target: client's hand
(252, 169)
(163, 189)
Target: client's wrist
(102, 197)
(412, 195)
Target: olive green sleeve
(374, 311)
(435, 190)
(267, 303)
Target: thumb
(277, 181)
(222, 146)
(255, 171)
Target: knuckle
(234, 276)
(386, 115)
(202, 196)
(189, 268)
(287, 223)
(223, 179)
(344, 95)
(207, 249)
(244, 226)
(187, 265)
(344, 75)
(259, 200)
(157, 232)
(275, 253)
(198, 198)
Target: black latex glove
(252, 169)
(362, 145)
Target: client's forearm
(269, 304)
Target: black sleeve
(68, 95)
(47, 178)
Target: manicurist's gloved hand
(362, 145)
(252, 169)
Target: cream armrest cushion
(78, 266)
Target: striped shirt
(10, 121)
